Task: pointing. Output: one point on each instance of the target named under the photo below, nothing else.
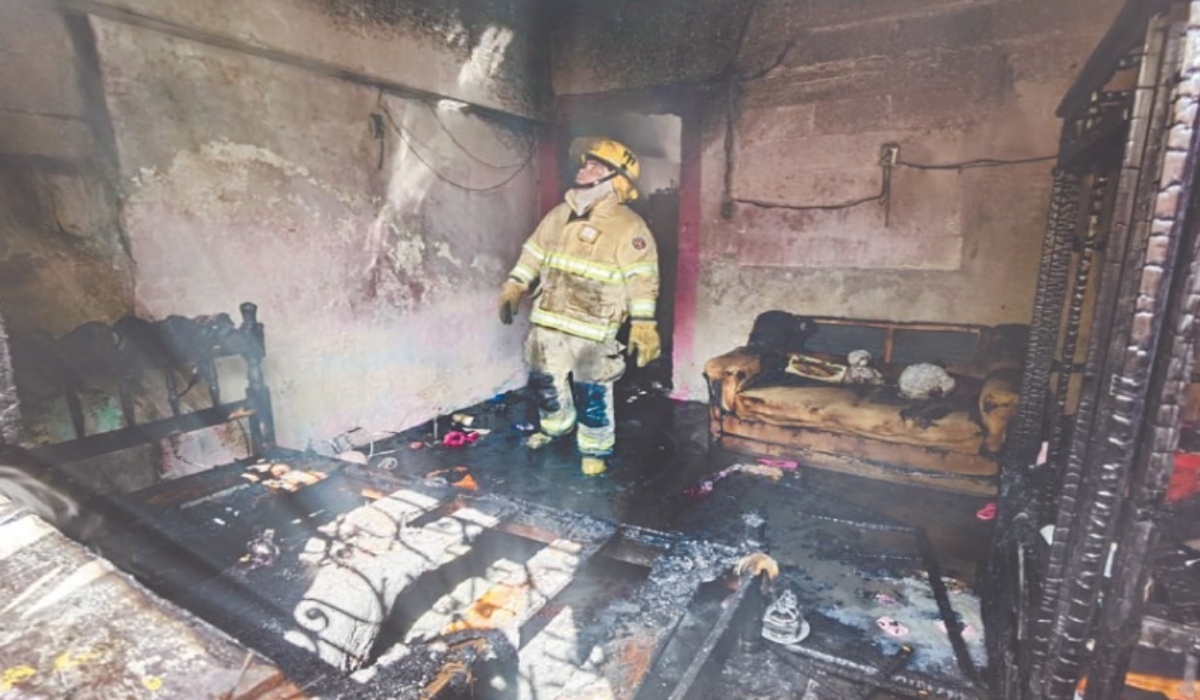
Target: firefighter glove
(643, 339)
(510, 298)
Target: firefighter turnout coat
(596, 269)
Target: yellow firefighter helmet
(616, 156)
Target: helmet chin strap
(601, 181)
(584, 196)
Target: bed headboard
(117, 354)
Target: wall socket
(889, 154)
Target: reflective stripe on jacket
(596, 269)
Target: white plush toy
(860, 370)
(925, 380)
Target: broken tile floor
(852, 550)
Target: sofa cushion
(855, 411)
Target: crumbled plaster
(223, 169)
(446, 253)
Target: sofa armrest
(727, 373)
(998, 401)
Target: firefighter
(597, 265)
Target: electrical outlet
(889, 154)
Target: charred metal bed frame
(119, 353)
(1123, 205)
(325, 641)
(150, 534)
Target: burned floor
(451, 560)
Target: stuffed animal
(925, 380)
(860, 370)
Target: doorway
(655, 135)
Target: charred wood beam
(1174, 232)
(1004, 611)
(1089, 140)
(1068, 504)
(1127, 31)
(1065, 224)
(1095, 224)
(640, 636)
(1083, 276)
(1124, 341)
(953, 626)
(700, 677)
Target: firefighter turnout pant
(555, 359)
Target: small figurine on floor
(782, 622)
(861, 371)
(262, 550)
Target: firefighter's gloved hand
(510, 298)
(643, 339)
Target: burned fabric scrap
(705, 488)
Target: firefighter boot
(593, 466)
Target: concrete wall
(621, 44)
(63, 254)
(825, 84)
(252, 179)
(294, 153)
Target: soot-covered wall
(817, 88)
(295, 153)
(64, 257)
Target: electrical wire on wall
(468, 152)
(889, 152)
(977, 163)
(383, 114)
(889, 160)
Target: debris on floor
(487, 564)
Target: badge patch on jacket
(587, 234)
(639, 243)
